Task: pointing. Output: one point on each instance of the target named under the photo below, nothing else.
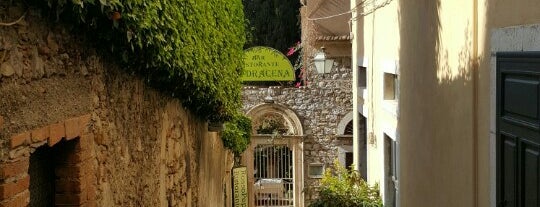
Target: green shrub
(237, 134)
(341, 187)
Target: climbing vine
(190, 49)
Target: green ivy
(237, 133)
(190, 49)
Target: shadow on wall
(436, 103)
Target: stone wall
(136, 146)
(320, 105)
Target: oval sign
(266, 64)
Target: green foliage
(345, 188)
(190, 49)
(237, 133)
(273, 23)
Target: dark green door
(518, 127)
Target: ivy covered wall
(189, 49)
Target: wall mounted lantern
(322, 64)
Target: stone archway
(275, 157)
(345, 130)
(291, 120)
(342, 125)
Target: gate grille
(274, 184)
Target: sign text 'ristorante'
(266, 64)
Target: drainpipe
(476, 72)
(354, 66)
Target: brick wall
(74, 167)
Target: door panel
(521, 97)
(518, 129)
(509, 153)
(530, 174)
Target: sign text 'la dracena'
(266, 64)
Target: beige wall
(433, 43)
(436, 123)
(381, 52)
(377, 47)
(445, 105)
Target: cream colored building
(439, 115)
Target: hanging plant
(237, 134)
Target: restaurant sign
(240, 187)
(266, 64)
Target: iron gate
(274, 183)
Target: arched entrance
(274, 158)
(345, 128)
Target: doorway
(273, 174)
(274, 166)
(362, 144)
(518, 129)
(274, 159)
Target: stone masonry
(320, 105)
(115, 141)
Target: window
(391, 86)
(362, 77)
(316, 170)
(348, 160)
(362, 82)
(348, 129)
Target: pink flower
(297, 85)
(291, 51)
(301, 74)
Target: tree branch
(15, 22)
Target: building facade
(451, 117)
(316, 118)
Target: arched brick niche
(58, 158)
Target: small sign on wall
(240, 187)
